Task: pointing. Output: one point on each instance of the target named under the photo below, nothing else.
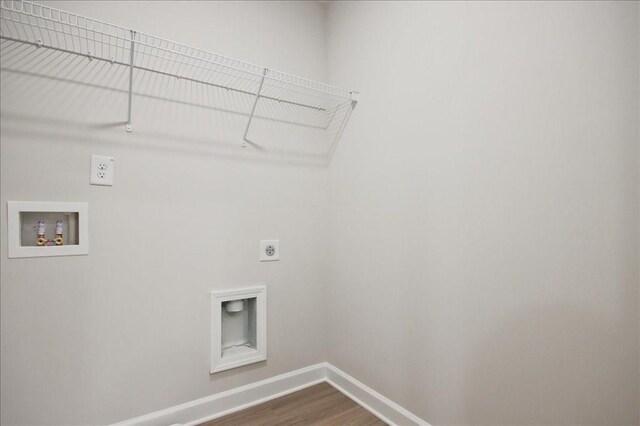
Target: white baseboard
(385, 409)
(223, 403)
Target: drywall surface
(125, 330)
(484, 209)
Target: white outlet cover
(269, 250)
(102, 169)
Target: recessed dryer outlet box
(238, 327)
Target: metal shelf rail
(326, 107)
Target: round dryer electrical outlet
(269, 250)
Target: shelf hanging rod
(253, 109)
(131, 65)
(111, 61)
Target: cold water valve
(59, 231)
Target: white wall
(124, 331)
(484, 209)
(483, 215)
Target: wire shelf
(268, 96)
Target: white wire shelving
(270, 94)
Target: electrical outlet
(102, 170)
(269, 250)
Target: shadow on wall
(553, 365)
(43, 88)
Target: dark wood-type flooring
(321, 404)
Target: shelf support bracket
(133, 35)
(253, 110)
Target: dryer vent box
(238, 327)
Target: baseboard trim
(227, 402)
(211, 407)
(381, 406)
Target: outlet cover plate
(102, 169)
(269, 250)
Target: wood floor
(317, 405)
